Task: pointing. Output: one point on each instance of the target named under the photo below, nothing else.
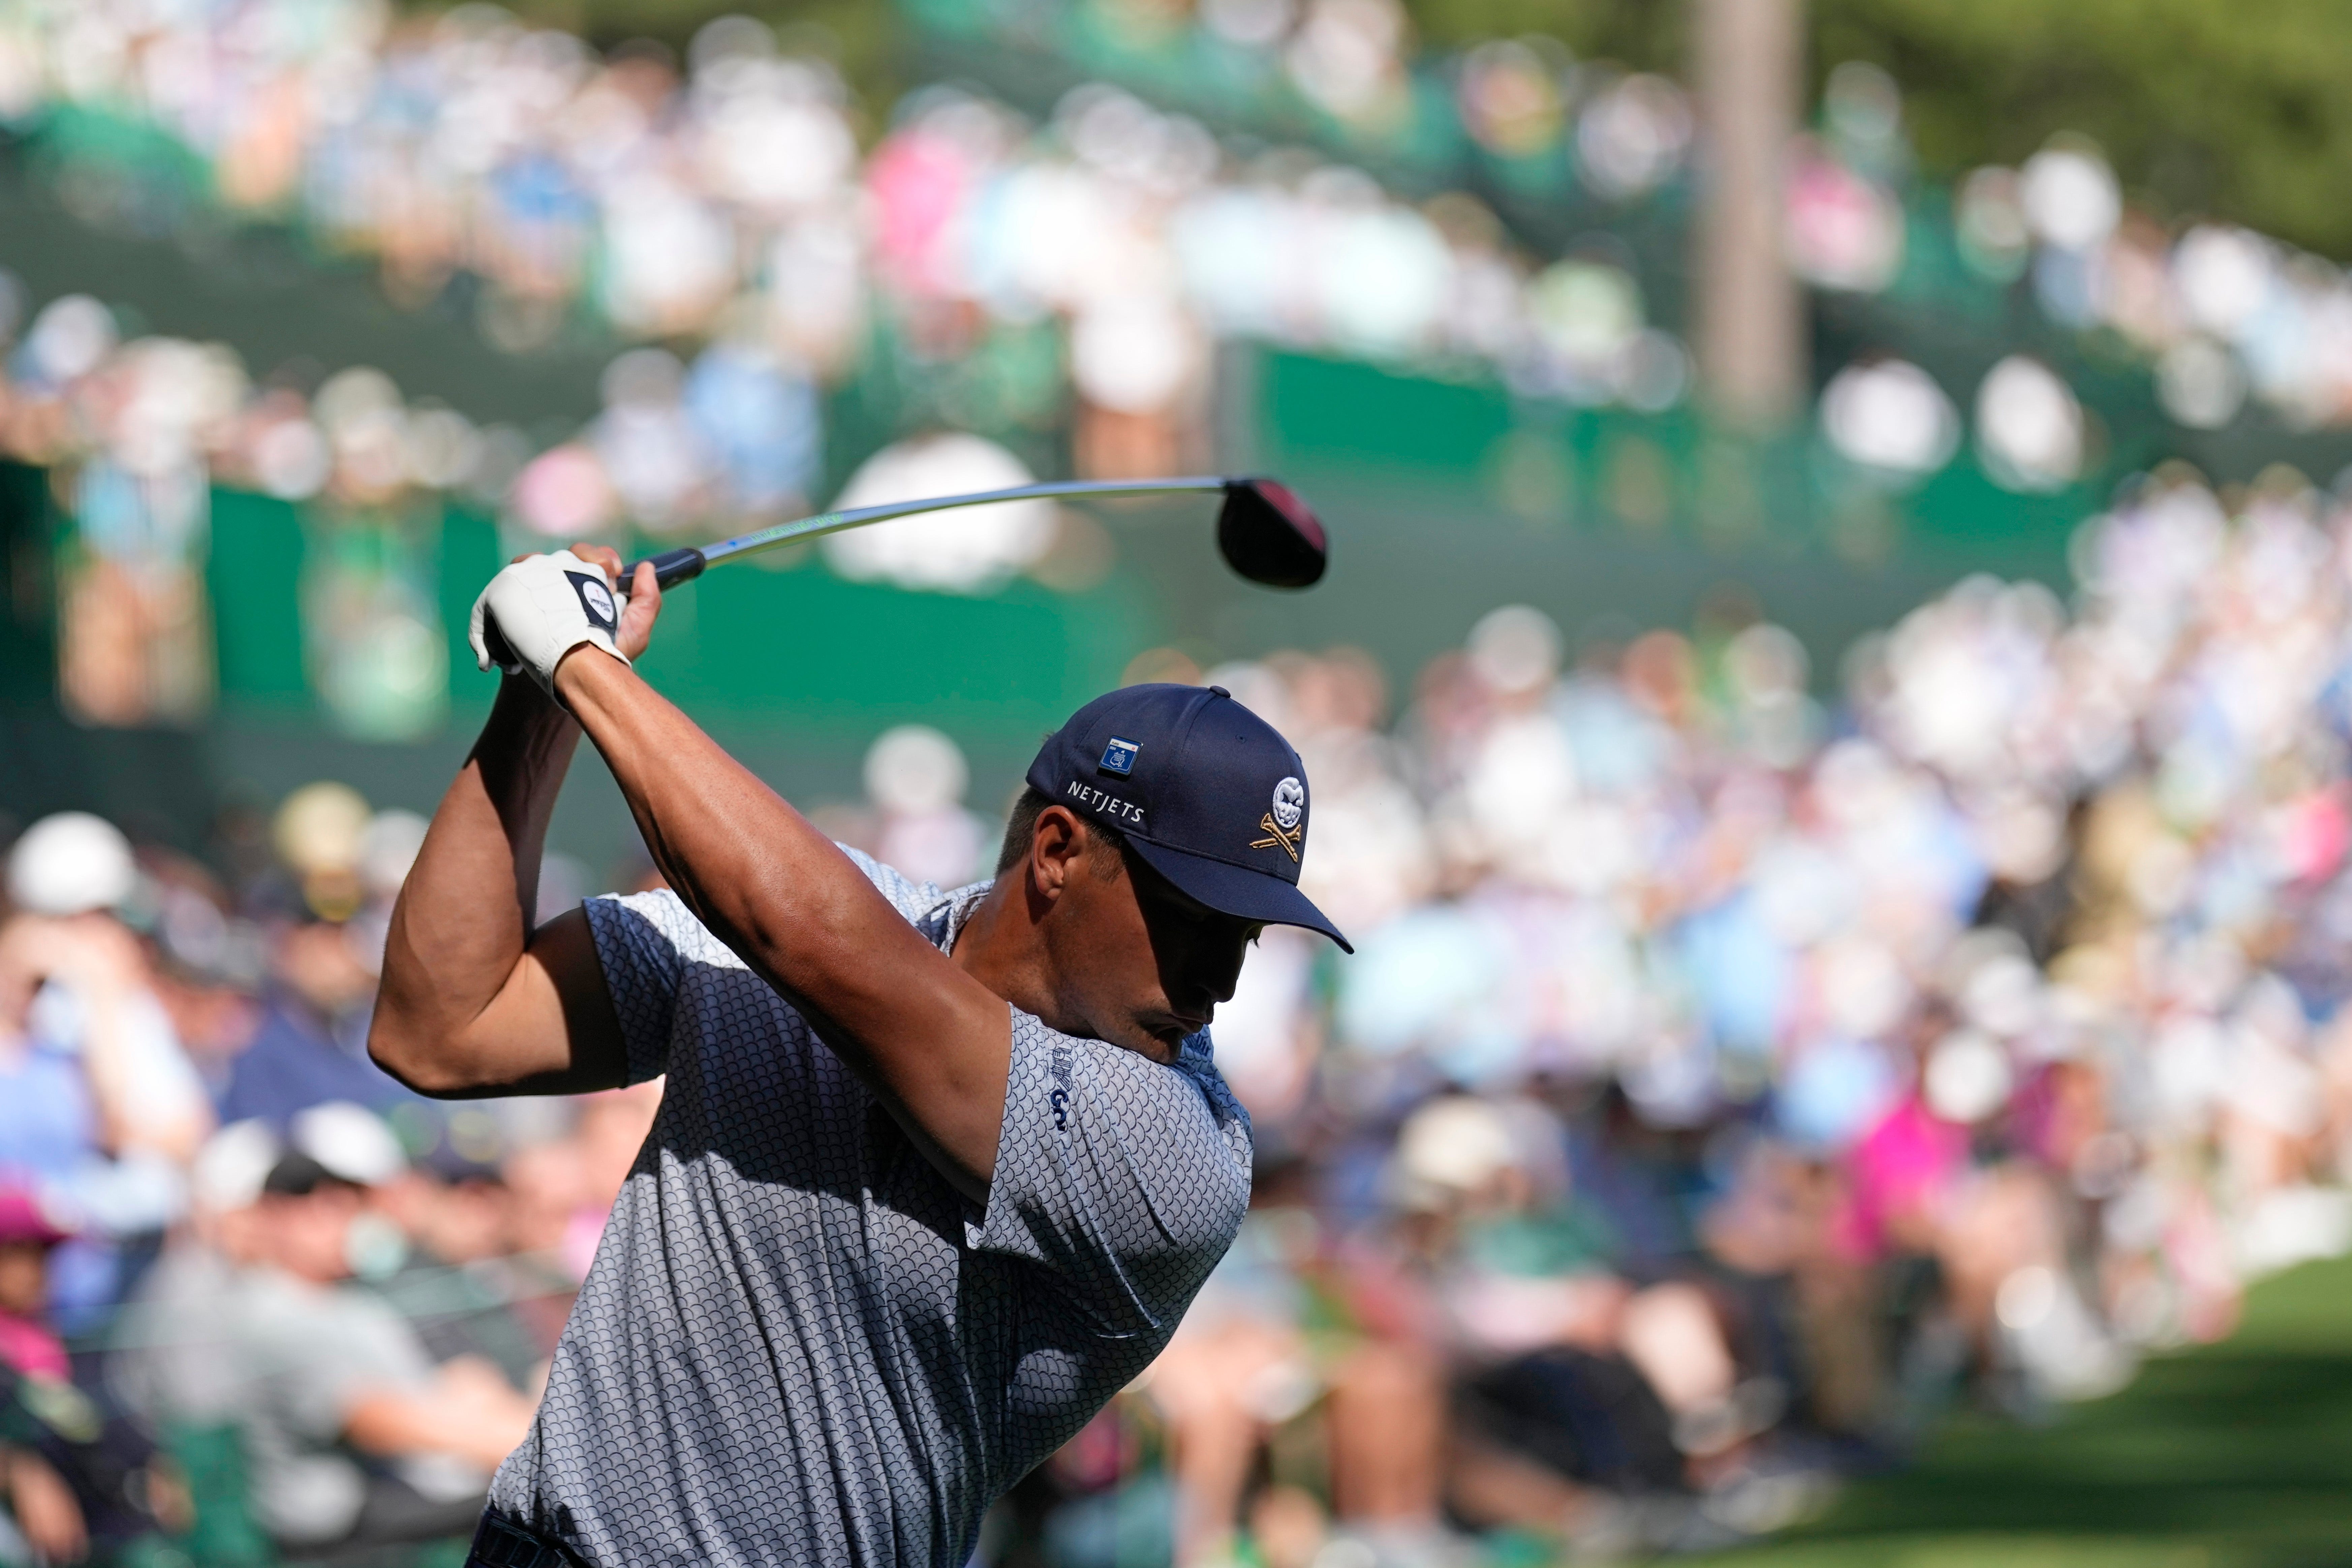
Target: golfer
(935, 1175)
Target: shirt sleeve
(643, 943)
(908, 896)
(1127, 1178)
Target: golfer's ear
(1056, 846)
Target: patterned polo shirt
(798, 1343)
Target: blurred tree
(2239, 108)
(1644, 33)
(2236, 109)
(861, 36)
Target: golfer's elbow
(431, 1060)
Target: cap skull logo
(1289, 803)
(1282, 823)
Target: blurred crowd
(257, 1299)
(728, 203)
(1011, 295)
(1523, 113)
(1056, 288)
(1076, 272)
(1728, 1083)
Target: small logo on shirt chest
(1060, 1100)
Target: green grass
(2233, 1456)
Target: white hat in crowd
(351, 1142)
(69, 864)
(231, 1166)
(1452, 1146)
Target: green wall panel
(813, 654)
(253, 576)
(1340, 412)
(28, 666)
(800, 647)
(470, 558)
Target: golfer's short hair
(1021, 831)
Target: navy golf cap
(1207, 791)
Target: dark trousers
(501, 1543)
(395, 1515)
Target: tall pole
(1747, 70)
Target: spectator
(409, 1248)
(351, 1435)
(27, 1235)
(73, 979)
(297, 1058)
(79, 1481)
(563, 1189)
(98, 1106)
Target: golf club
(1264, 532)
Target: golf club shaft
(683, 565)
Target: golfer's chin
(1153, 1032)
(1163, 1043)
(1161, 1035)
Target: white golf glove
(541, 608)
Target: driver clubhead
(1269, 536)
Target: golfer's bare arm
(474, 1002)
(934, 1043)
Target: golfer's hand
(640, 603)
(541, 608)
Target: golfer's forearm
(464, 918)
(932, 1041)
(750, 868)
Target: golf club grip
(671, 567)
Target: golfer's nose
(1224, 972)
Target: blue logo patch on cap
(1118, 757)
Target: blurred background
(1830, 714)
